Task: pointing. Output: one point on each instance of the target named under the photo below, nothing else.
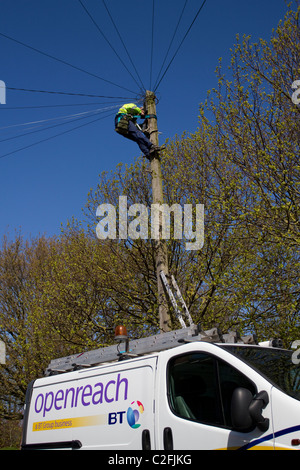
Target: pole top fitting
(150, 95)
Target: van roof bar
(137, 347)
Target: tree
(22, 328)
(256, 126)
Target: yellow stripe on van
(69, 423)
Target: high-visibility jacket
(130, 108)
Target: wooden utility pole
(161, 254)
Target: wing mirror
(246, 410)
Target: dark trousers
(137, 136)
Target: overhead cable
(66, 93)
(41, 106)
(172, 40)
(176, 52)
(46, 128)
(124, 45)
(108, 42)
(69, 116)
(64, 62)
(53, 136)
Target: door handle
(168, 439)
(146, 441)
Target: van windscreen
(278, 366)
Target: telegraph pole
(161, 254)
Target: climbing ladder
(174, 302)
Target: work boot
(156, 148)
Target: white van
(194, 395)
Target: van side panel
(105, 407)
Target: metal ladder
(174, 302)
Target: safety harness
(123, 121)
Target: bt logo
(132, 415)
(2, 92)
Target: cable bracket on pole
(150, 116)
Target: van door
(196, 411)
(286, 415)
(128, 418)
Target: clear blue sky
(44, 185)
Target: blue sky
(45, 184)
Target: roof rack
(138, 347)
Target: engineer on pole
(126, 125)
